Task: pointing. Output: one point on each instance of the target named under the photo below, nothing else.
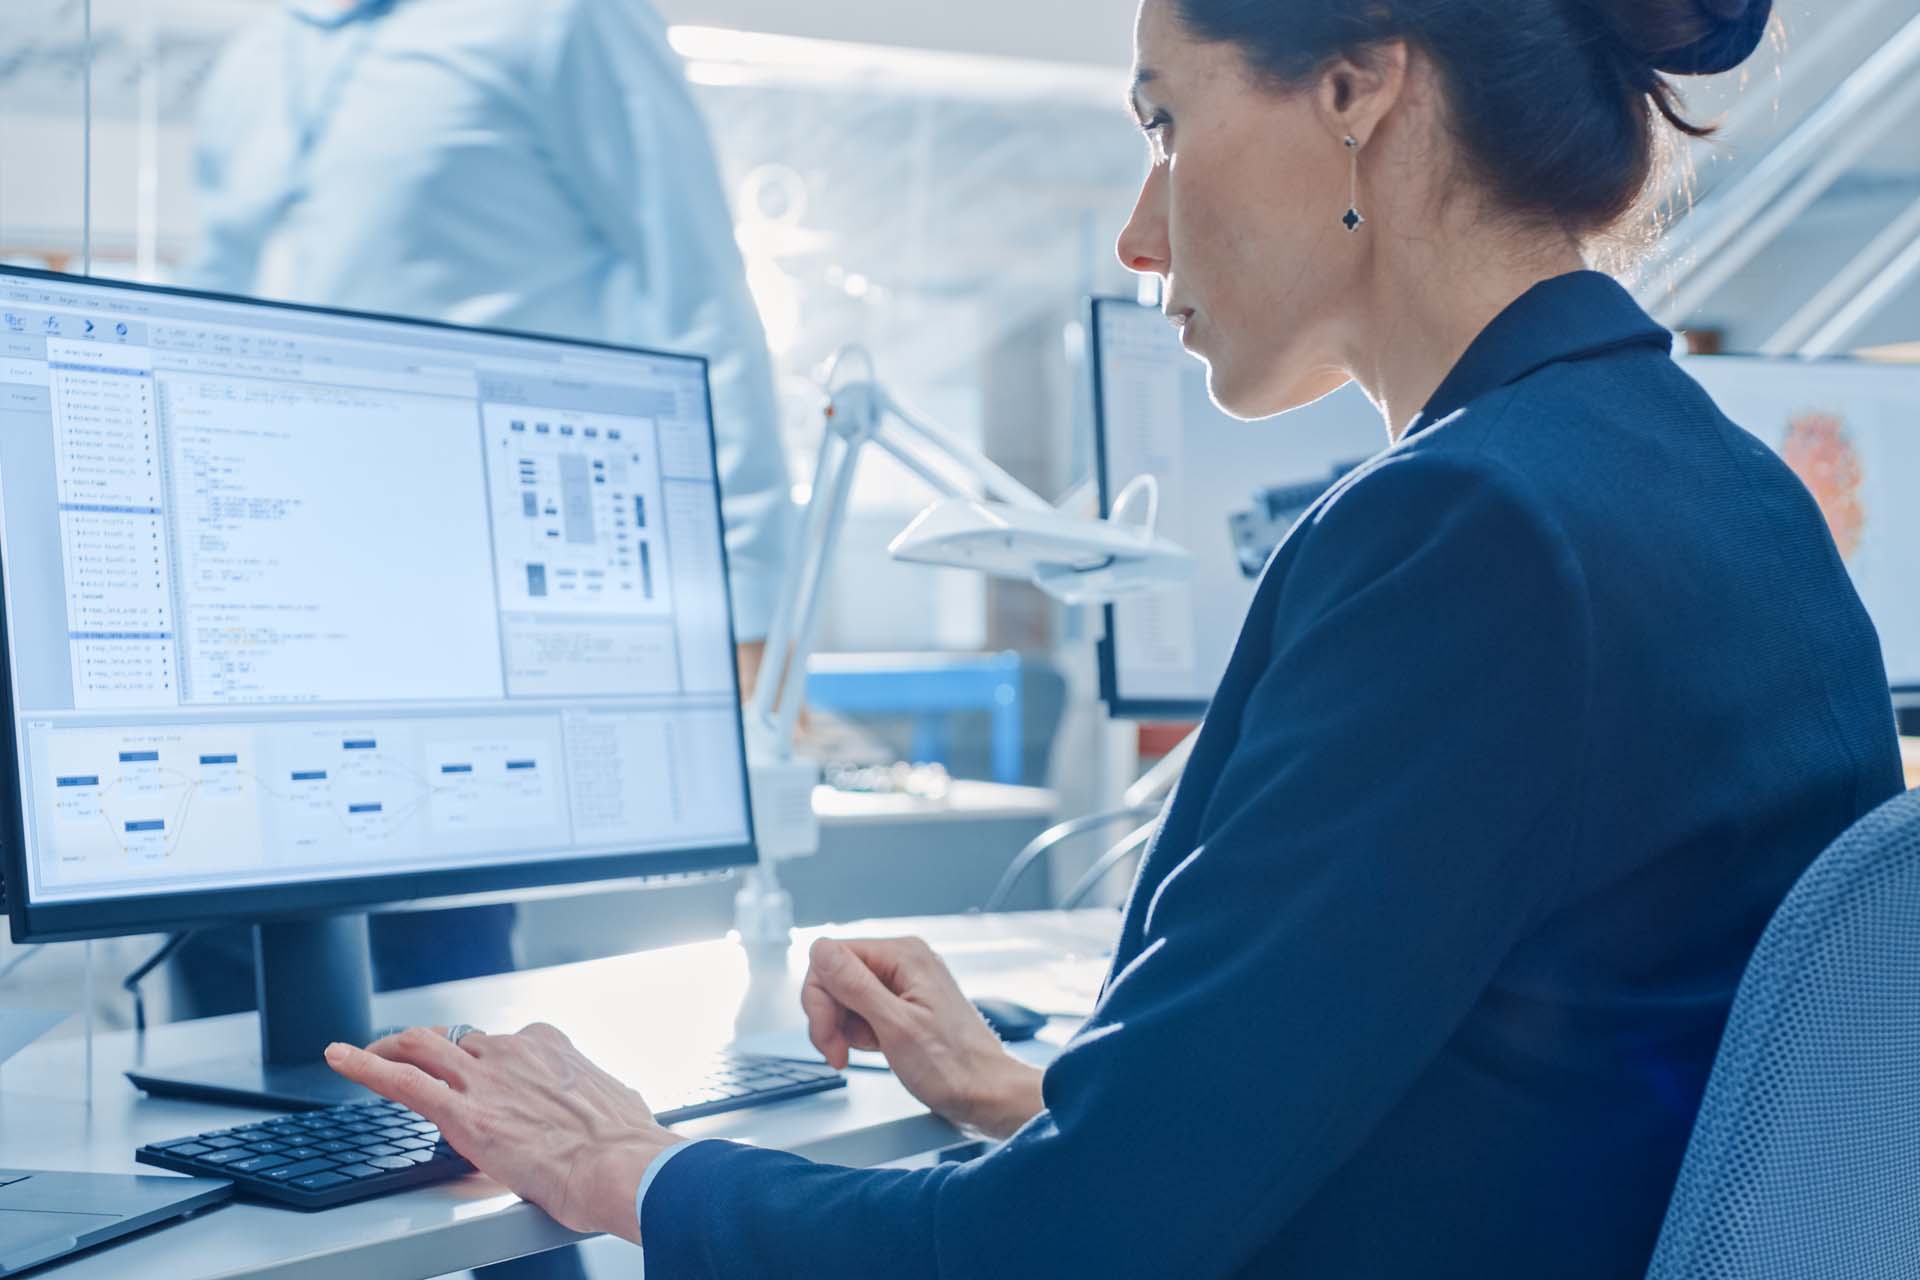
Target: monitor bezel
(108, 917)
(1119, 705)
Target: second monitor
(1229, 491)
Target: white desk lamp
(986, 520)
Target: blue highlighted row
(358, 744)
(79, 780)
(64, 367)
(310, 775)
(515, 765)
(139, 757)
(152, 824)
(456, 768)
(219, 759)
(364, 808)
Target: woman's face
(1240, 217)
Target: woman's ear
(1355, 94)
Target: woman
(1533, 721)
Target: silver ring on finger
(454, 1033)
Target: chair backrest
(1805, 1159)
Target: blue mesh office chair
(1805, 1160)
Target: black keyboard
(316, 1159)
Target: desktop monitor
(1851, 431)
(307, 611)
(1229, 491)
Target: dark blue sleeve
(1392, 818)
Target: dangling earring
(1351, 219)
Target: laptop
(44, 1216)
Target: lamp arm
(789, 638)
(936, 479)
(857, 412)
(997, 480)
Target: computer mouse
(1010, 1021)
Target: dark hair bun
(1691, 37)
(1557, 104)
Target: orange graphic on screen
(1822, 455)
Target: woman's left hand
(529, 1111)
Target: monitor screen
(306, 609)
(1851, 431)
(1229, 491)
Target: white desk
(1050, 960)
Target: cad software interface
(293, 596)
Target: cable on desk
(131, 983)
(1038, 847)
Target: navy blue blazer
(1533, 722)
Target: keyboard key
(227, 1157)
(287, 1173)
(267, 1148)
(334, 1148)
(358, 1171)
(412, 1144)
(302, 1153)
(417, 1157)
(394, 1135)
(224, 1144)
(320, 1181)
(258, 1164)
(379, 1149)
(391, 1162)
(186, 1149)
(198, 1139)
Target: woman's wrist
(612, 1180)
(1010, 1097)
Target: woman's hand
(529, 1111)
(895, 995)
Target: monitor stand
(314, 981)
